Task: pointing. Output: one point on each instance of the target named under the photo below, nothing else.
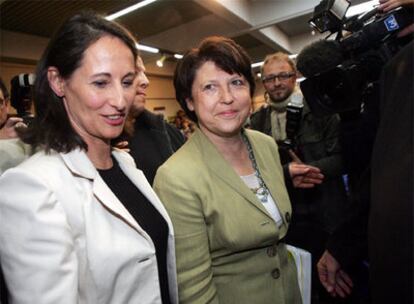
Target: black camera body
(22, 96)
(294, 111)
(337, 79)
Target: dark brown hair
(51, 128)
(224, 52)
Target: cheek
(95, 102)
(267, 87)
(130, 96)
(244, 97)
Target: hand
(304, 176)
(387, 5)
(333, 278)
(9, 129)
(123, 145)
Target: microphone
(319, 57)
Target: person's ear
(56, 82)
(190, 104)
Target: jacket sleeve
(36, 245)
(194, 273)
(331, 165)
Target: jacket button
(287, 216)
(276, 273)
(271, 251)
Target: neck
(100, 154)
(234, 151)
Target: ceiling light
(147, 48)
(257, 64)
(178, 56)
(160, 62)
(129, 9)
(361, 8)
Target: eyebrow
(109, 74)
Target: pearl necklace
(262, 190)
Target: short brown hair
(224, 52)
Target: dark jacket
(153, 142)
(390, 232)
(317, 145)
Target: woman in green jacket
(224, 189)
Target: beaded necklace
(262, 189)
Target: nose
(142, 80)
(226, 95)
(277, 81)
(119, 98)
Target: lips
(115, 119)
(228, 114)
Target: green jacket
(228, 247)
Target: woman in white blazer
(78, 222)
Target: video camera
(21, 97)
(339, 72)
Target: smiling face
(221, 101)
(279, 90)
(100, 91)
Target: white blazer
(66, 238)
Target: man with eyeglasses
(316, 211)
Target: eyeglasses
(281, 77)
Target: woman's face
(221, 101)
(99, 93)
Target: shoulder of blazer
(260, 138)
(186, 163)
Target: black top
(146, 215)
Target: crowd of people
(103, 201)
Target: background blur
(172, 26)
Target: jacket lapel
(78, 162)
(222, 169)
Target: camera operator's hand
(387, 5)
(9, 129)
(304, 176)
(333, 278)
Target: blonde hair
(278, 56)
